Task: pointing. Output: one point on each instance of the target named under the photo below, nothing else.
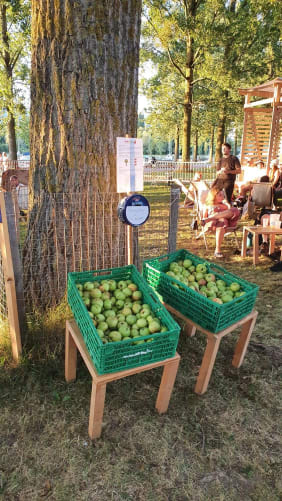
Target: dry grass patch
(223, 445)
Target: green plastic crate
(122, 355)
(201, 310)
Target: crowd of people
(221, 209)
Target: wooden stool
(213, 342)
(75, 341)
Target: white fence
(162, 172)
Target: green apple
(226, 298)
(199, 275)
(126, 338)
(136, 295)
(210, 277)
(135, 332)
(235, 287)
(119, 304)
(109, 313)
(220, 283)
(164, 328)
(124, 329)
(187, 263)
(126, 311)
(145, 331)
(112, 322)
(103, 326)
(201, 268)
(86, 301)
(130, 319)
(100, 317)
(127, 292)
(217, 300)
(79, 287)
(115, 336)
(120, 317)
(192, 268)
(119, 294)
(141, 322)
(88, 286)
(112, 285)
(154, 326)
(145, 312)
(136, 307)
(100, 333)
(133, 287)
(96, 293)
(239, 293)
(105, 286)
(122, 284)
(107, 304)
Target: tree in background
(84, 87)
(14, 68)
(172, 43)
(226, 44)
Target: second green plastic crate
(198, 308)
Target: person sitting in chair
(195, 190)
(218, 216)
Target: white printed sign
(129, 164)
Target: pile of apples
(118, 312)
(197, 277)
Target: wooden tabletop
(268, 230)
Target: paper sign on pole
(129, 164)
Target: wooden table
(75, 341)
(271, 231)
(213, 341)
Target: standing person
(228, 167)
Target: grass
(221, 446)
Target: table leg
(271, 243)
(207, 364)
(70, 357)
(96, 409)
(189, 329)
(166, 386)
(244, 243)
(256, 249)
(243, 341)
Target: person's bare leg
(219, 215)
(219, 235)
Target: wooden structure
(270, 231)
(262, 132)
(13, 275)
(74, 342)
(213, 341)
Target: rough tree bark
(8, 63)
(84, 82)
(176, 143)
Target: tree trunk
(195, 152)
(220, 136)
(211, 145)
(12, 136)
(176, 143)
(84, 82)
(9, 91)
(187, 118)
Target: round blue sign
(134, 210)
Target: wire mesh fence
(79, 232)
